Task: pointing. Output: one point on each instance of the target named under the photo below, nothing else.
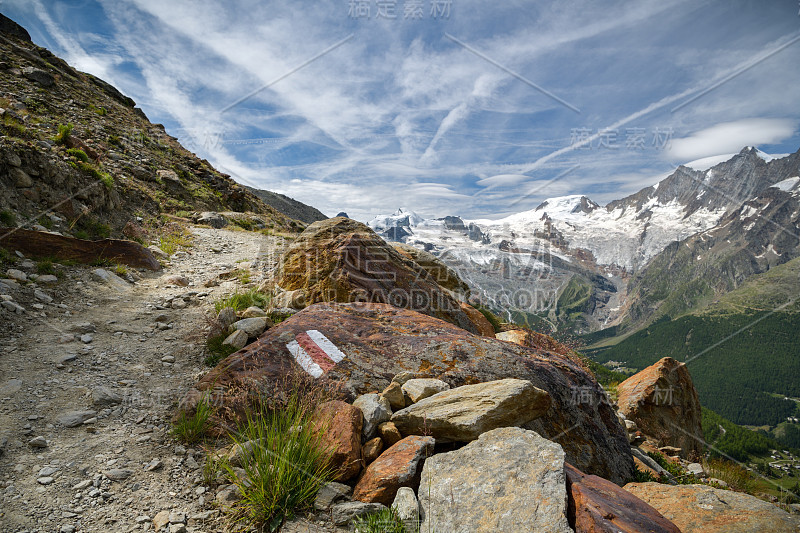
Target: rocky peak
(9, 27)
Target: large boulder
(340, 426)
(342, 260)
(662, 401)
(510, 479)
(358, 348)
(399, 466)
(704, 509)
(463, 413)
(440, 272)
(599, 506)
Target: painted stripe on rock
(315, 352)
(304, 360)
(327, 346)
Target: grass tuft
(78, 154)
(242, 300)
(216, 350)
(191, 428)
(283, 474)
(737, 477)
(64, 133)
(7, 218)
(384, 521)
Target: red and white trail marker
(314, 352)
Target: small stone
(141, 519)
(419, 389)
(238, 339)
(47, 278)
(228, 494)
(155, 464)
(376, 410)
(226, 316)
(14, 307)
(44, 480)
(177, 517)
(42, 296)
(67, 529)
(330, 493)
(117, 474)
(178, 303)
(158, 252)
(86, 338)
(161, 520)
(394, 394)
(16, 275)
(168, 359)
(73, 419)
(407, 508)
(253, 312)
(82, 485)
(342, 513)
(103, 396)
(389, 433)
(38, 442)
(372, 449)
(177, 528)
(177, 279)
(252, 326)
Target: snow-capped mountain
(571, 256)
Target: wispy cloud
(400, 114)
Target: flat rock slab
(342, 513)
(42, 244)
(73, 419)
(399, 466)
(510, 479)
(704, 509)
(464, 413)
(599, 506)
(362, 346)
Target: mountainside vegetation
(74, 147)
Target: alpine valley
(700, 267)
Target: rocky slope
(111, 164)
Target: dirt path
(119, 383)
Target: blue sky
(461, 107)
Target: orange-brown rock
(340, 424)
(371, 450)
(597, 505)
(379, 341)
(480, 322)
(399, 466)
(704, 509)
(663, 402)
(42, 244)
(389, 433)
(342, 260)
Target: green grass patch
(191, 427)
(102, 111)
(78, 154)
(45, 266)
(8, 218)
(216, 350)
(175, 239)
(242, 300)
(680, 475)
(384, 521)
(737, 477)
(283, 474)
(64, 133)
